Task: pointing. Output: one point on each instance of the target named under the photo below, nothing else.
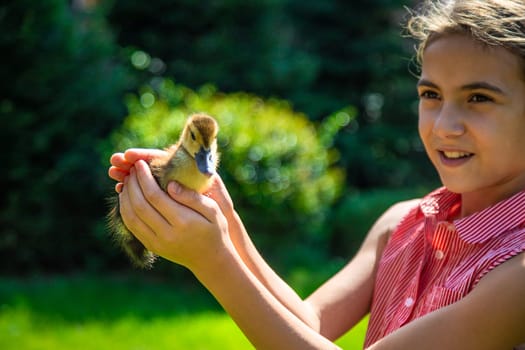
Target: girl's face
(472, 117)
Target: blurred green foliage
(357, 211)
(320, 55)
(276, 163)
(291, 141)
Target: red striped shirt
(431, 262)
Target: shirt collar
(480, 226)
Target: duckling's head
(199, 138)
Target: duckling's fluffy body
(191, 162)
(181, 167)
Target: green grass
(80, 312)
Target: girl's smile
(472, 119)
(454, 158)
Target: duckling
(191, 162)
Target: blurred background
(318, 112)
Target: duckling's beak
(204, 159)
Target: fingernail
(175, 187)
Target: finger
(219, 194)
(118, 160)
(133, 155)
(142, 206)
(195, 201)
(175, 213)
(117, 174)
(118, 187)
(133, 222)
(121, 163)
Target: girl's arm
(341, 302)
(331, 310)
(122, 163)
(198, 238)
(344, 299)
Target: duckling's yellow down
(193, 159)
(191, 162)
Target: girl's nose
(449, 122)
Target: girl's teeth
(456, 154)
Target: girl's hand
(220, 195)
(188, 228)
(121, 163)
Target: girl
(443, 272)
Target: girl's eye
(429, 94)
(478, 98)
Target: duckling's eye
(192, 135)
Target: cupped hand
(187, 228)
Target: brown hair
(490, 22)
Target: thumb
(191, 199)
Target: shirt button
(439, 254)
(409, 302)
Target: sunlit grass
(105, 313)
(20, 329)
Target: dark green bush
(61, 93)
